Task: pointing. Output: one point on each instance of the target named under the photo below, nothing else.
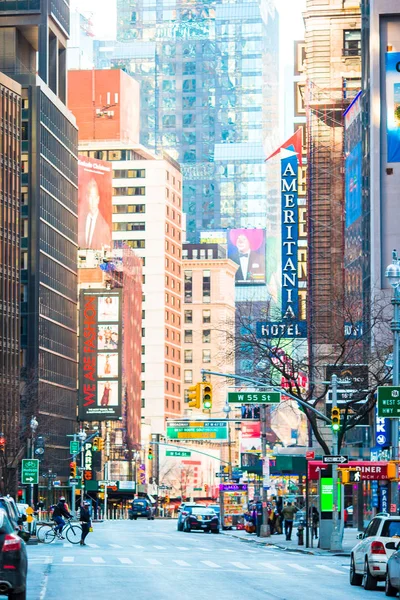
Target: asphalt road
(151, 560)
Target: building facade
(209, 97)
(10, 115)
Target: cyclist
(59, 512)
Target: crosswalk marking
(135, 546)
(152, 561)
(182, 548)
(227, 550)
(115, 546)
(250, 551)
(240, 565)
(93, 545)
(67, 545)
(125, 561)
(271, 567)
(209, 563)
(298, 567)
(325, 568)
(205, 549)
(97, 559)
(160, 547)
(69, 559)
(182, 563)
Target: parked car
(13, 560)
(217, 509)
(141, 507)
(369, 558)
(9, 506)
(392, 582)
(203, 519)
(184, 510)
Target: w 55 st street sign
(254, 397)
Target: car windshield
(391, 529)
(198, 510)
(215, 508)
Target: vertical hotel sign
(100, 365)
(393, 106)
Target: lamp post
(33, 425)
(393, 275)
(82, 437)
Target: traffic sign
(30, 471)
(254, 397)
(178, 453)
(108, 483)
(74, 447)
(203, 430)
(389, 401)
(310, 455)
(57, 483)
(334, 460)
(73, 481)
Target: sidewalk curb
(286, 548)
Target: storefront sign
(369, 470)
(88, 456)
(384, 498)
(382, 431)
(233, 487)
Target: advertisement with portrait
(246, 247)
(250, 438)
(393, 106)
(100, 370)
(94, 203)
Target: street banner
(393, 106)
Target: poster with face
(107, 393)
(94, 203)
(108, 308)
(107, 337)
(107, 365)
(246, 247)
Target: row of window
(112, 155)
(129, 191)
(128, 226)
(188, 280)
(170, 387)
(135, 244)
(129, 173)
(206, 357)
(119, 209)
(173, 405)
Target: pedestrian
(86, 521)
(259, 515)
(315, 522)
(288, 513)
(271, 518)
(59, 512)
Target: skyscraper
(209, 97)
(33, 37)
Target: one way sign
(334, 460)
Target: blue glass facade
(209, 97)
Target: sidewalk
(279, 541)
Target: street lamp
(82, 435)
(393, 275)
(33, 425)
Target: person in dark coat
(86, 522)
(60, 511)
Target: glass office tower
(209, 97)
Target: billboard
(393, 105)
(250, 439)
(100, 364)
(213, 237)
(246, 247)
(94, 203)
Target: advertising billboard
(246, 247)
(100, 364)
(250, 439)
(393, 105)
(94, 203)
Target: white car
(369, 558)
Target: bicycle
(47, 533)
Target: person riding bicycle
(59, 512)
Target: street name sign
(74, 447)
(108, 483)
(197, 430)
(30, 471)
(388, 401)
(73, 481)
(177, 453)
(254, 397)
(334, 460)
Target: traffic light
(206, 488)
(194, 396)
(335, 418)
(206, 395)
(72, 469)
(95, 445)
(167, 500)
(392, 471)
(150, 453)
(100, 443)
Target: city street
(153, 560)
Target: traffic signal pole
(265, 531)
(395, 327)
(336, 538)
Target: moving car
(8, 505)
(369, 558)
(13, 560)
(141, 507)
(203, 519)
(185, 509)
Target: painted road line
(68, 559)
(152, 561)
(270, 567)
(160, 547)
(182, 548)
(325, 568)
(298, 567)
(227, 550)
(125, 561)
(182, 563)
(205, 549)
(240, 565)
(139, 547)
(115, 546)
(93, 545)
(97, 559)
(211, 564)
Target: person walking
(59, 512)
(288, 513)
(86, 521)
(315, 522)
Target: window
(206, 316)
(188, 316)
(128, 226)
(188, 356)
(143, 403)
(352, 42)
(206, 286)
(129, 191)
(169, 121)
(188, 376)
(372, 528)
(136, 244)
(129, 173)
(119, 209)
(188, 336)
(188, 287)
(206, 336)
(390, 529)
(206, 356)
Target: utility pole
(73, 485)
(106, 474)
(265, 531)
(336, 540)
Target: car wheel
(389, 589)
(179, 527)
(215, 530)
(135, 518)
(17, 595)
(355, 578)
(186, 528)
(369, 582)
